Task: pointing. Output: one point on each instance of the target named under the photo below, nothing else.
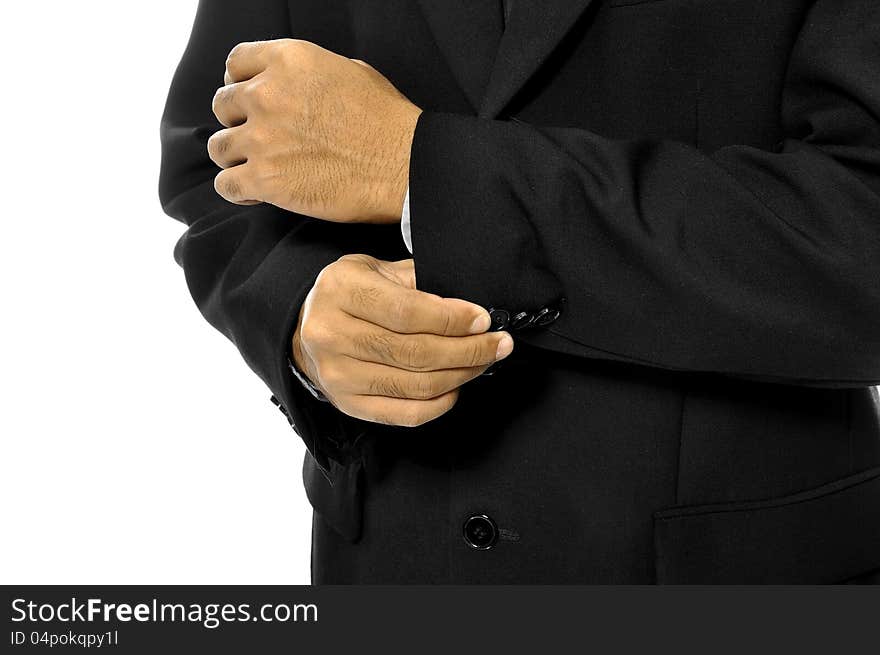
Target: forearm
(249, 268)
(742, 261)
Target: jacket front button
(480, 532)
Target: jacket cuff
(459, 251)
(327, 432)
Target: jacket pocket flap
(336, 494)
(819, 536)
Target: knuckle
(450, 401)
(213, 149)
(259, 93)
(331, 375)
(412, 417)
(322, 338)
(354, 262)
(341, 266)
(289, 45)
(312, 334)
(386, 385)
(385, 419)
(474, 354)
(446, 319)
(426, 386)
(227, 186)
(401, 312)
(219, 144)
(327, 279)
(373, 344)
(349, 405)
(375, 410)
(234, 56)
(413, 354)
(292, 50)
(217, 99)
(343, 404)
(425, 412)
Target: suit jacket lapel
(534, 29)
(468, 33)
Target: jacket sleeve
(249, 268)
(749, 262)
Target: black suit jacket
(696, 183)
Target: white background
(137, 447)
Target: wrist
(296, 346)
(398, 177)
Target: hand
(384, 352)
(312, 132)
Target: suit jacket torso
(599, 469)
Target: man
(636, 338)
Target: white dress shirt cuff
(317, 393)
(405, 225)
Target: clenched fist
(383, 351)
(312, 132)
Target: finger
(396, 411)
(247, 60)
(226, 147)
(380, 301)
(404, 271)
(232, 185)
(227, 105)
(370, 379)
(424, 352)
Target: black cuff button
(522, 321)
(546, 316)
(500, 320)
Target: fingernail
(505, 347)
(481, 324)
